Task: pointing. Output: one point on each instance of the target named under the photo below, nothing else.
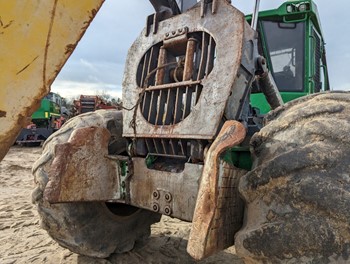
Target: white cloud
(71, 89)
(89, 65)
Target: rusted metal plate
(227, 28)
(177, 192)
(81, 171)
(212, 223)
(37, 37)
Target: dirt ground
(23, 241)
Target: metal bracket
(152, 21)
(204, 5)
(176, 40)
(125, 171)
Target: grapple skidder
(191, 142)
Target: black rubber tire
(90, 229)
(298, 194)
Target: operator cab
(290, 38)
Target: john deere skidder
(193, 141)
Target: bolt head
(156, 194)
(155, 207)
(168, 197)
(167, 210)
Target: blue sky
(97, 64)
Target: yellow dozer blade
(36, 39)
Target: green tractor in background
(197, 141)
(44, 121)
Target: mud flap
(213, 210)
(81, 170)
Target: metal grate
(168, 147)
(172, 74)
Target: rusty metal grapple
(183, 75)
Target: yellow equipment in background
(36, 39)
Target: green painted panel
(258, 100)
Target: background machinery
(90, 103)
(193, 141)
(44, 121)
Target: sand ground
(23, 241)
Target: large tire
(92, 229)
(298, 193)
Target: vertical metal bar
(159, 79)
(170, 115)
(204, 55)
(187, 75)
(160, 107)
(197, 60)
(184, 103)
(145, 104)
(183, 144)
(149, 66)
(154, 94)
(147, 96)
(153, 106)
(194, 96)
(150, 145)
(188, 68)
(187, 103)
(202, 66)
(156, 146)
(167, 108)
(214, 6)
(150, 106)
(163, 106)
(178, 105)
(165, 143)
(198, 91)
(162, 59)
(203, 7)
(172, 146)
(210, 58)
(155, 23)
(255, 15)
(143, 75)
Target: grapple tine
(204, 237)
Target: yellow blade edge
(36, 39)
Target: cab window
(285, 47)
